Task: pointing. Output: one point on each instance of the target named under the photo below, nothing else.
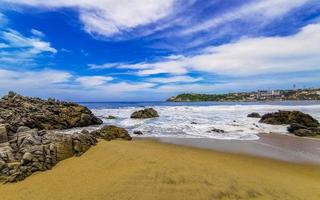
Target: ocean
(199, 119)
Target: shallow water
(197, 120)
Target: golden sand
(146, 170)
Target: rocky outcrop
(17, 111)
(254, 115)
(288, 117)
(39, 150)
(35, 150)
(301, 124)
(110, 132)
(145, 113)
(28, 145)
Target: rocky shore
(300, 124)
(30, 140)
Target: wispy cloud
(104, 66)
(175, 79)
(3, 20)
(28, 80)
(17, 49)
(37, 33)
(248, 56)
(57, 83)
(236, 85)
(109, 17)
(92, 81)
(257, 11)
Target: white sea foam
(199, 121)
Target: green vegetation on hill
(260, 95)
(206, 97)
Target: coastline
(147, 169)
(283, 147)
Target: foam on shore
(199, 121)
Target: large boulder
(110, 132)
(19, 111)
(145, 113)
(289, 117)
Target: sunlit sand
(145, 169)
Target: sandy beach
(147, 169)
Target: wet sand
(147, 170)
(275, 146)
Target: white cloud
(109, 17)
(248, 56)
(91, 81)
(37, 33)
(3, 20)
(175, 79)
(60, 84)
(19, 49)
(44, 79)
(251, 84)
(104, 66)
(2, 45)
(122, 87)
(259, 11)
(16, 40)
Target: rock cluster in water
(145, 113)
(301, 124)
(26, 144)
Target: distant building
(276, 93)
(268, 94)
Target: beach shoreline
(283, 147)
(149, 169)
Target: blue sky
(131, 50)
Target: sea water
(199, 119)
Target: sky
(149, 50)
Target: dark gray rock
(145, 113)
(215, 130)
(289, 117)
(137, 132)
(304, 133)
(254, 115)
